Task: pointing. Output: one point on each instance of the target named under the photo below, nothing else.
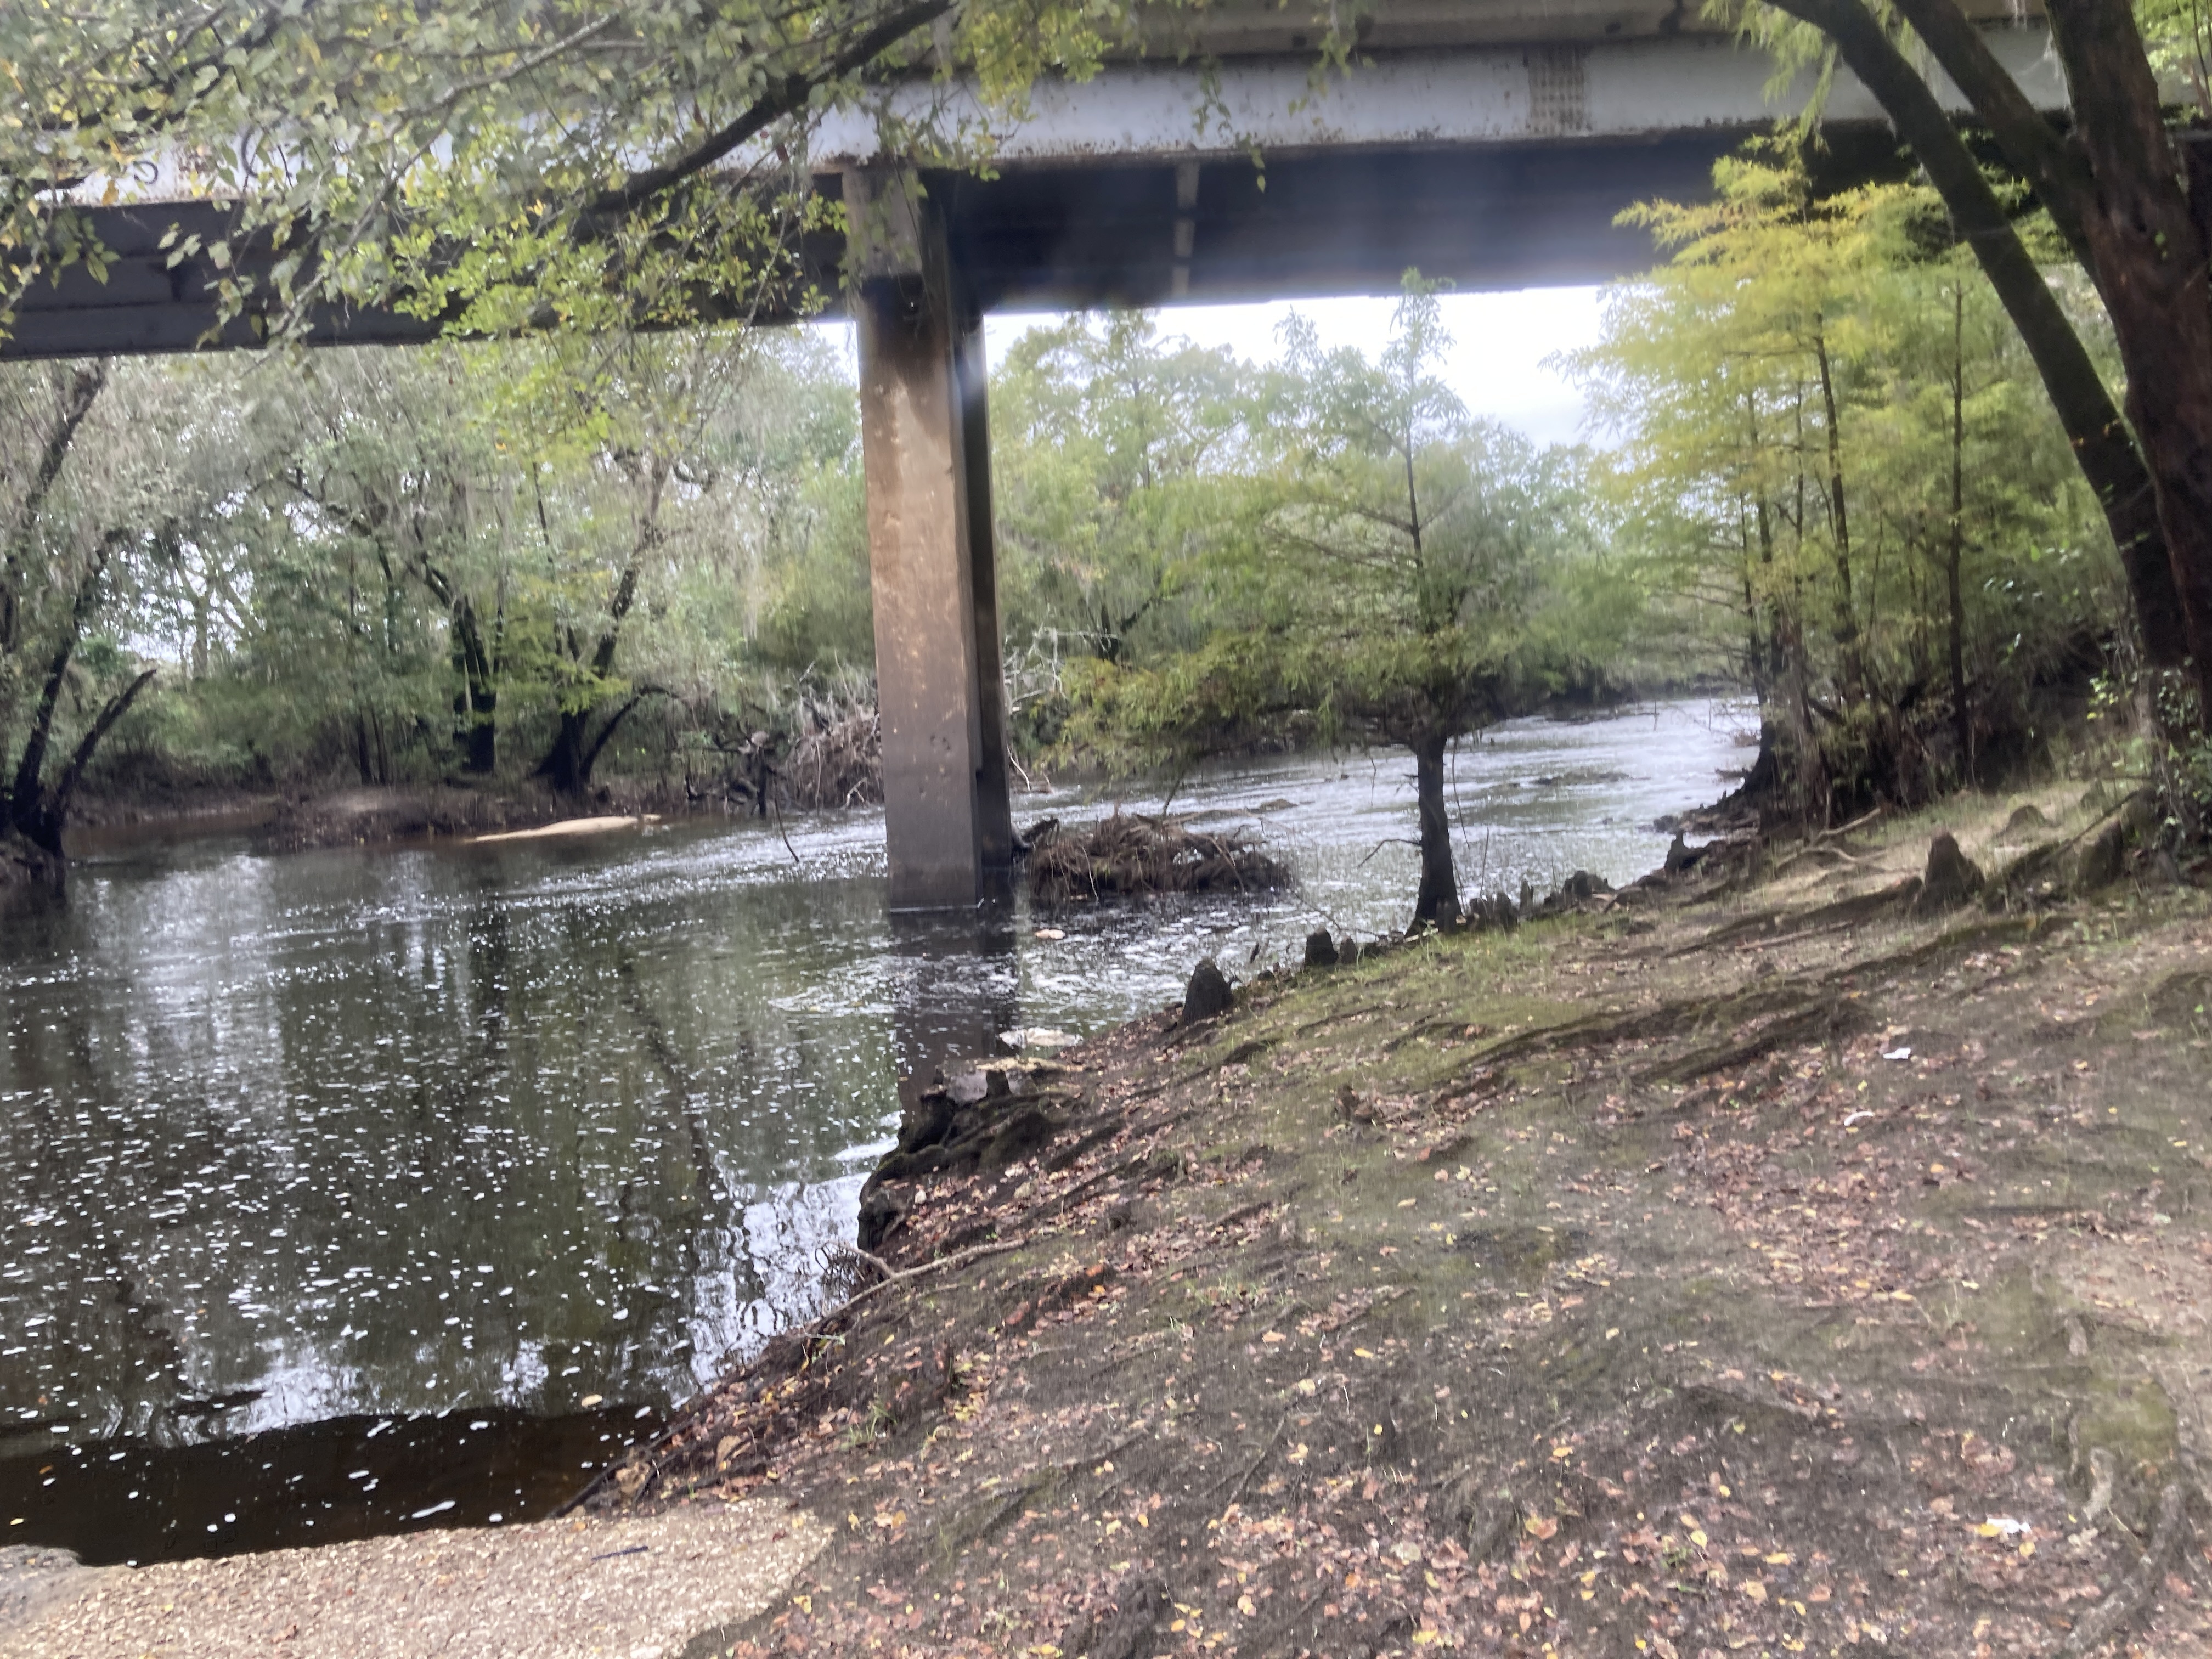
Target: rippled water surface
(375, 1187)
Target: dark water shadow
(311, 1483)
(957, 988)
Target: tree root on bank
(2122, 1605)
(1780, 927)
(1823, 1019)
(907, 1275)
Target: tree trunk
(84, 389)
(568, 763)
(27, 802)
(1961, 718)
(39, 813)
(1848, 655)
(475, 698)
(1438, 899)
(2149, 252)
(57, 804)
(2106, 453)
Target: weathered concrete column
(925, 449)
(994, 822)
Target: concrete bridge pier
(925, 440)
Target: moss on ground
(1748, 1271)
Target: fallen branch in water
(1127, 853)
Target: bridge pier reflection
(959, 986)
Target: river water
(355, 1190)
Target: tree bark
(2149, 251)
(40, 814)
(476, 699)
(56, 805)
(2106, 453)
(564, 766)
(2054, 169)
(26, 800)
(1848, 653)
(84, 389)
(1961, 718)
(1438, 899)
(567, 764)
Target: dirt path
(1768, 1273)
(656, 1587)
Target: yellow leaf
(1542, 1526)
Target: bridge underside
(1132, 233)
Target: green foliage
(404, 565)
(1118, 460)
(1373, 570)
(492, 163)
(1821, 405)
(2177, 36)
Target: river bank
(834, 767)
(1766, 1266)
(297, 821)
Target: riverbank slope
(1768, 1266)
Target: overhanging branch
(787, 95)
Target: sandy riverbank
(640, 1588)
(346, 817)
(1767, 1267)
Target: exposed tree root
(2121, 1607)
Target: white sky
(1499, 342)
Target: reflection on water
(355, 1138)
